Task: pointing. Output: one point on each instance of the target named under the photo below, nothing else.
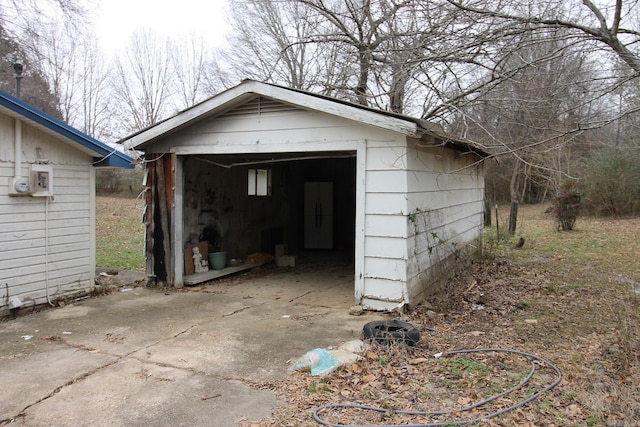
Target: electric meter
(21, 186)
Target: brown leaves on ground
(522, 305)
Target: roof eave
(250, 88)
(441, 139)
(106, 156)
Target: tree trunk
(513, 218)
(487, 213)
(514, 189)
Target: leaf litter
(583, 324)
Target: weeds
(119, 234)
(593, 420)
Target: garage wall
(264, 126)
(46, 240)
(444, 214)
(385, 224)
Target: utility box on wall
(41, 180)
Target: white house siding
(47, 245)
(445, 199)
(386, 229)
(285, 130)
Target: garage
(264, 169)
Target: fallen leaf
(464, 401)
(355, 368)
(368, 378)
(573, 410)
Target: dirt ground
(575, 305)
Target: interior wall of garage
(216, 198)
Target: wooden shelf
(194, 279)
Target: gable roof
(249, 90)
(104, 155)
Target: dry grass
(119, 233)
(568, 297)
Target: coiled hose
(530, 357)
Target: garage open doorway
(249, 204)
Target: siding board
(386, 203)
(384, 268)
(446, 199)
(394, 181)
(68, 218)
(384, 289)
(386, 226)
(385, 247)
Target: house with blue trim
(47, 205)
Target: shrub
(567, 205)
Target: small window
(259, 182)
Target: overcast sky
(116, 20)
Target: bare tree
(615, 25)
(335, 48)
(94, 117)
(142, 80)
(23, 19)
(77, 76)
(271, 42)
(192, 71)
(34, 86)
(607, 32)
(22, 23)
(531, 118)
(367, 31)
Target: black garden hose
(530, 357)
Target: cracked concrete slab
(189, 357)
(135, 393)
(29, 378)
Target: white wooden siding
(29, 261)
(387, 293)
(445, 204)
(392, 226)
(386, 203)
(385, 247)
(293, 130)
(422, 204)
(386, 224)
(385, 268)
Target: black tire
(386, 331)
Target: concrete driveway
(179, 358)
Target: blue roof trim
(106, 156)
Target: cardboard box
(286, 261)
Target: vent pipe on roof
(18, 68)
(19, 185)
